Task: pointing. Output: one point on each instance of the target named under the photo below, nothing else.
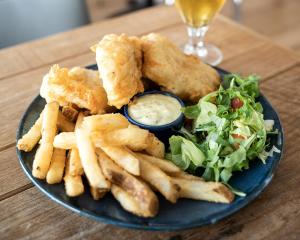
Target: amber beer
(198, 13)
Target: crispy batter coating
(184, 75)
(119, 60)
(78, 85)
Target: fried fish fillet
(119, 60)
(184, 75)
(78, 85)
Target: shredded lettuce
(228, 131)
(269, 123)
(265, 154)
(185, 152)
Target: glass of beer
(197, 15)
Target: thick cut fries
(127, 201)
(57, 166)
(75, 162)
(105, 122)
(89, 161)
(133, 137)
(65, 140)
(124, 158)
(64, 124)
(185, 175)
(98, 193)
(79, 120)
(140, 191)
(165, 165)
(43, 155)
(161, 181)
(201, 190)
(73, 184)
(32, 137)
(155, 147)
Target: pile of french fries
(114, 156)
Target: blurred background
(21, 21)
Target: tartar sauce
(154, 109)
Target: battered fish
(119, 60)
(78, 85)
(184, 75)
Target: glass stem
(196, 35)
(237, 10)
(196, 39)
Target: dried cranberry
(236, 103)
(237, 136)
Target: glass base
(208, 53)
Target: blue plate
(185, 213)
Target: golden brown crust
(119, 60)
(201, 190)
(224, 191)
(78, 85)
(70, 113)
(98, 193)
(181, 74)
(138, 189)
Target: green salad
(227, 131)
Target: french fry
(64, 124)
(56, 169)
(185, 175)
(101, 139)
(75, 162)
(43, 155)
(89, 160)
(124, 158)
(32, 137)
(73, 184)
(201, 190)
(105, 122)
(165, 165)
(140, 191)
(155, 147)
(70, 113)
(127, 201)
(133, 137)
(42, 160)
(79, 121)
(98, 193)
(65, 140)
(161, 181)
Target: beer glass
(197, 15)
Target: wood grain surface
(27, 214)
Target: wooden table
(26, 213)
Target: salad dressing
(155, 109)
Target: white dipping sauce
(154, 109)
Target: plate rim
(153, 227)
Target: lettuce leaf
(184, 152)
(207, 110)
